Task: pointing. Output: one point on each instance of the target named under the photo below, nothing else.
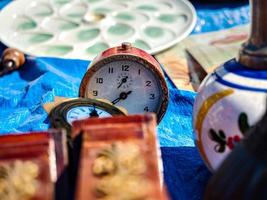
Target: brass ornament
(121, 167)
(18, 180)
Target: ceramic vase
(232, 98)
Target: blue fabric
(216, 17)
(23, 92)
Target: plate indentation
(23, 23)
(58, 25)
(120, 29)
(31, 38)
(40, 37)
(154, 32)
(61, 2)
(97, 48)
(158, 35)
(141, 45)
(147, 7)
(125, 16)
(102, 10)
(129, 17)
(172, 18)
(74, 11)
(40, 10)
(87, 35)
(52, 50)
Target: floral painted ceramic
(229, 101)
(233, 98)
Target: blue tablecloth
(23, 92)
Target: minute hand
(122, 96)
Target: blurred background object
(11, 59)
(243, 174)
(218, 1)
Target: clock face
(84, 112)
(64, 114)
(128, 84)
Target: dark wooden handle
(11, 59)
(253, 53)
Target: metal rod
(253, 53)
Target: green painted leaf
(222, 134)
(243, 123)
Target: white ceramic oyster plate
(83, 28)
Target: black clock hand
(123, 80)
(116, 101)
(94, 113)
(122, 96)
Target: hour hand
(123, 80)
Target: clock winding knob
(126, 46)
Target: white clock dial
(84, 112)
(128, 84)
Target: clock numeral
(146, 109)
(110, 70)
(95, 93)
(152, 96)
(148, 83)
(83, 110)
(125, 68)
(99, 80)
(73, 117)
(139, 71)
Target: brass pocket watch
(65, 113)
(128, 77)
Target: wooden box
(129, 145)
(31, 164)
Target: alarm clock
(65, 113)
(128, 77)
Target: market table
(23, 92)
